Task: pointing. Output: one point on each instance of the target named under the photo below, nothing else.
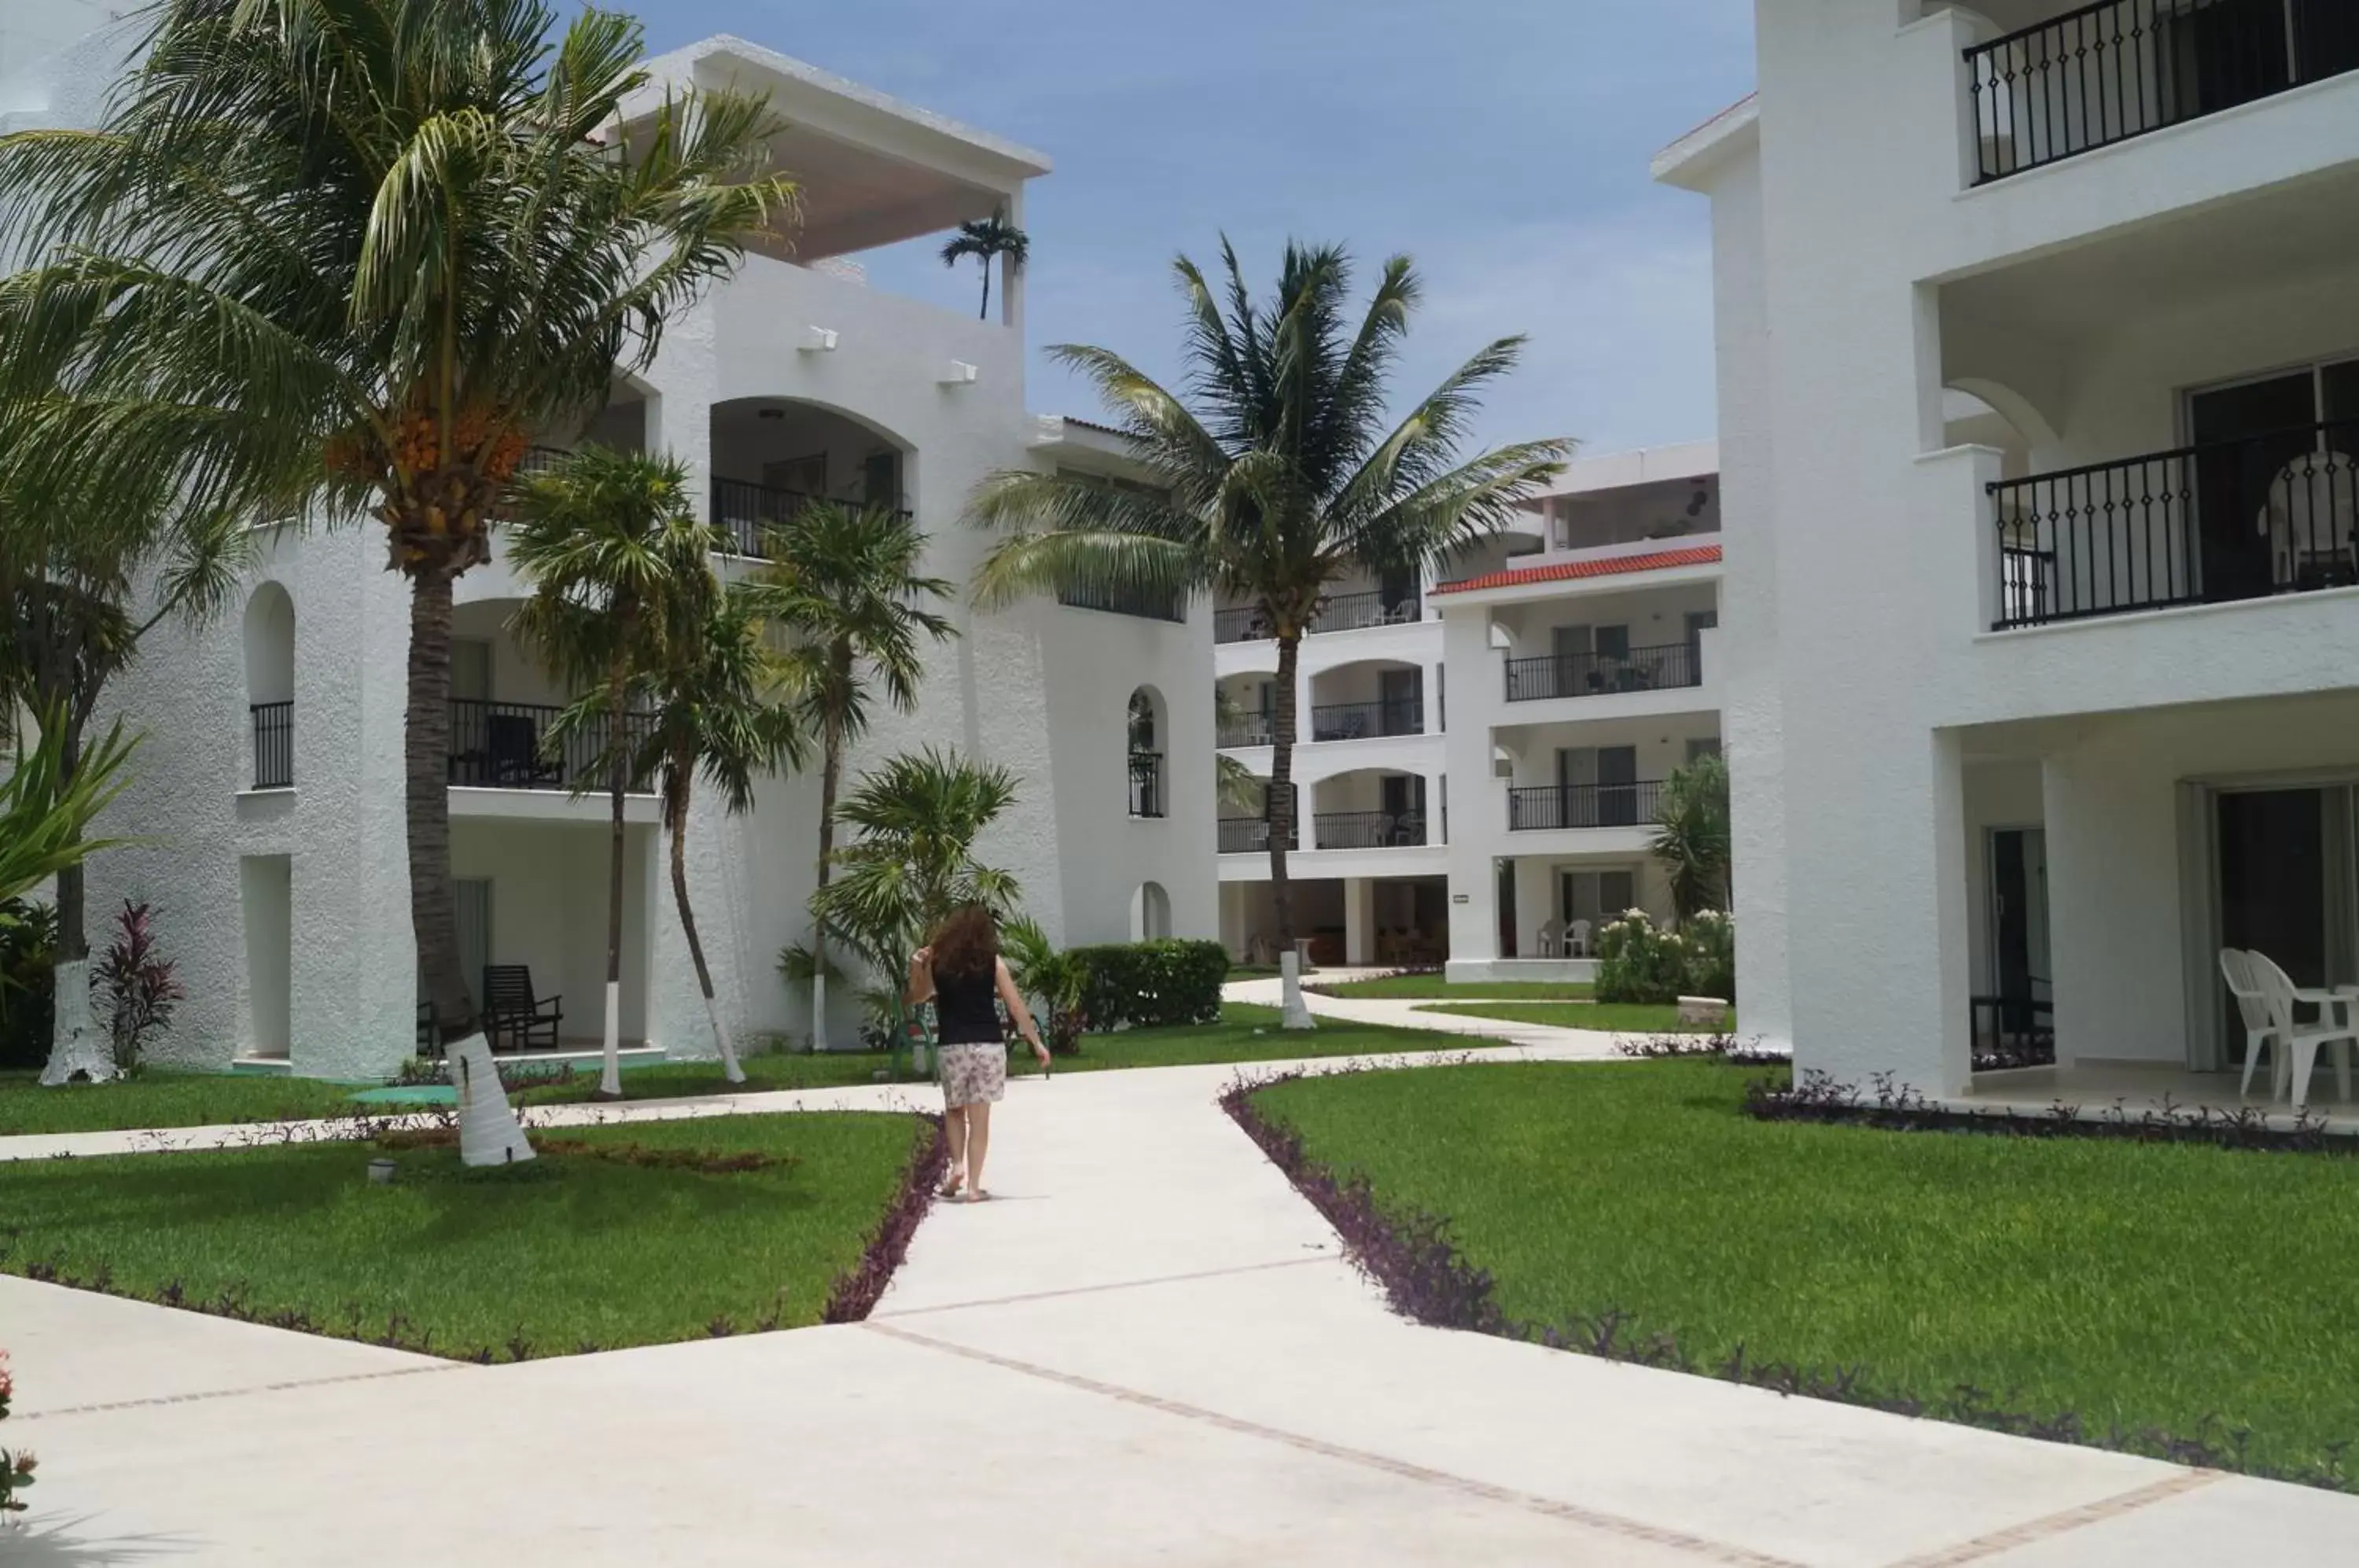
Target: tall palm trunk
(1281, 830)
(488, 1131)
(831, 775)
(677, 810)
(618, 785)
(984, 315)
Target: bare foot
(978, 1196)
(949, 1189)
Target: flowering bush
(16, 1469)
(1638, 961)
(133, 986)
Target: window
(1145, 729)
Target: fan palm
(988, 240)
(1276, 476)
(617, 561)
(715, 714)
(844, 588)
(1691, 836)
(356, 254)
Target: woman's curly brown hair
(966, 944)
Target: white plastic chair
(2332, 1028)
(1576, 944)
(2252, 1006)
(1552, 938)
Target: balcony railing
(1583, 806)
(745, 511)
(274, 745)
(2199, 524)
(1364, 721)
(1145, 607)
(1257, 729)
(506, 746)
(1347, 612)
(1664, 668)
(2117, 70)
(1250, 836)
(1368, 830)
(1147, 784)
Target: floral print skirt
(973, 1074)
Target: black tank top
(963, 1013)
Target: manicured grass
(1433, 988)
(158, 1098)
(764, 1073)
(2146, 1287)
(1245, 1033)
(1621, 1017)
(566, 1252)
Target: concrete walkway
(1148, 1350)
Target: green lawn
(2147, 1287)
(160, 1099)
(1621, 1017)
(566, 1252)
(1433, 988)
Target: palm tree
(1279, 481)
(844, 587)
(715, 714)
(357, 254)
(915, 819)
(46, 809)
(993, 237)
(1691, 837)
(617, 557)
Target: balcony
(1366, 720)
(2199, 524)
(1147, 784)
(1254, 729)
(274, 745)
(1250, 836)
(1559, 806)
(1368, 830)
(1141, 606)
(1660, 669)
(504, 746)
(745, 511)
(1345, 613)
(2115, 71)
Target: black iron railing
(1345, 611)
(1583, 806)
(506, 746)
(274, 745)
(1242, 624)
(1250, 836)
(2111, 71)
(1603, 674)
(1257, 729)
(745, 511)
(1361, 721)
(1144, 607)
(1368, 830)
(2205, 524)
(1147, 784)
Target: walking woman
(960, 971)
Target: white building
(1479, 757)
(271, 785)
(2039, 396)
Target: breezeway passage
(1151, 1349)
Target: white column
(1434, 707)
(1437, 794)
(1474, 924)
(1359, 920)
(1011, 277)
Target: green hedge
(1145, 984)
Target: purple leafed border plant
(856, 1291)
(1414, 1260)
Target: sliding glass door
(2287, 870)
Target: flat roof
(1687, 160)
(1639, 465)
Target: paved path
(1147, 1351)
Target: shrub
(16, 1469)
(1639, 961)
(28, 940)
(133, 986)
(1711, 937)
(1148, 984)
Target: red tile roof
(1567, 571)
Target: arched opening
(773, 456)
(1150, 913)
(1367, 700)
(270, 686)
(1371, 808)
(1147, 724)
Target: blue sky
(1502, 143)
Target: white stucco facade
(2014, 431)
(274, 847)
(1479, 755)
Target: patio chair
(1576, 940)
(2332, 1028)
(511, 1008)
(1551, 938)
(2252, 1006)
